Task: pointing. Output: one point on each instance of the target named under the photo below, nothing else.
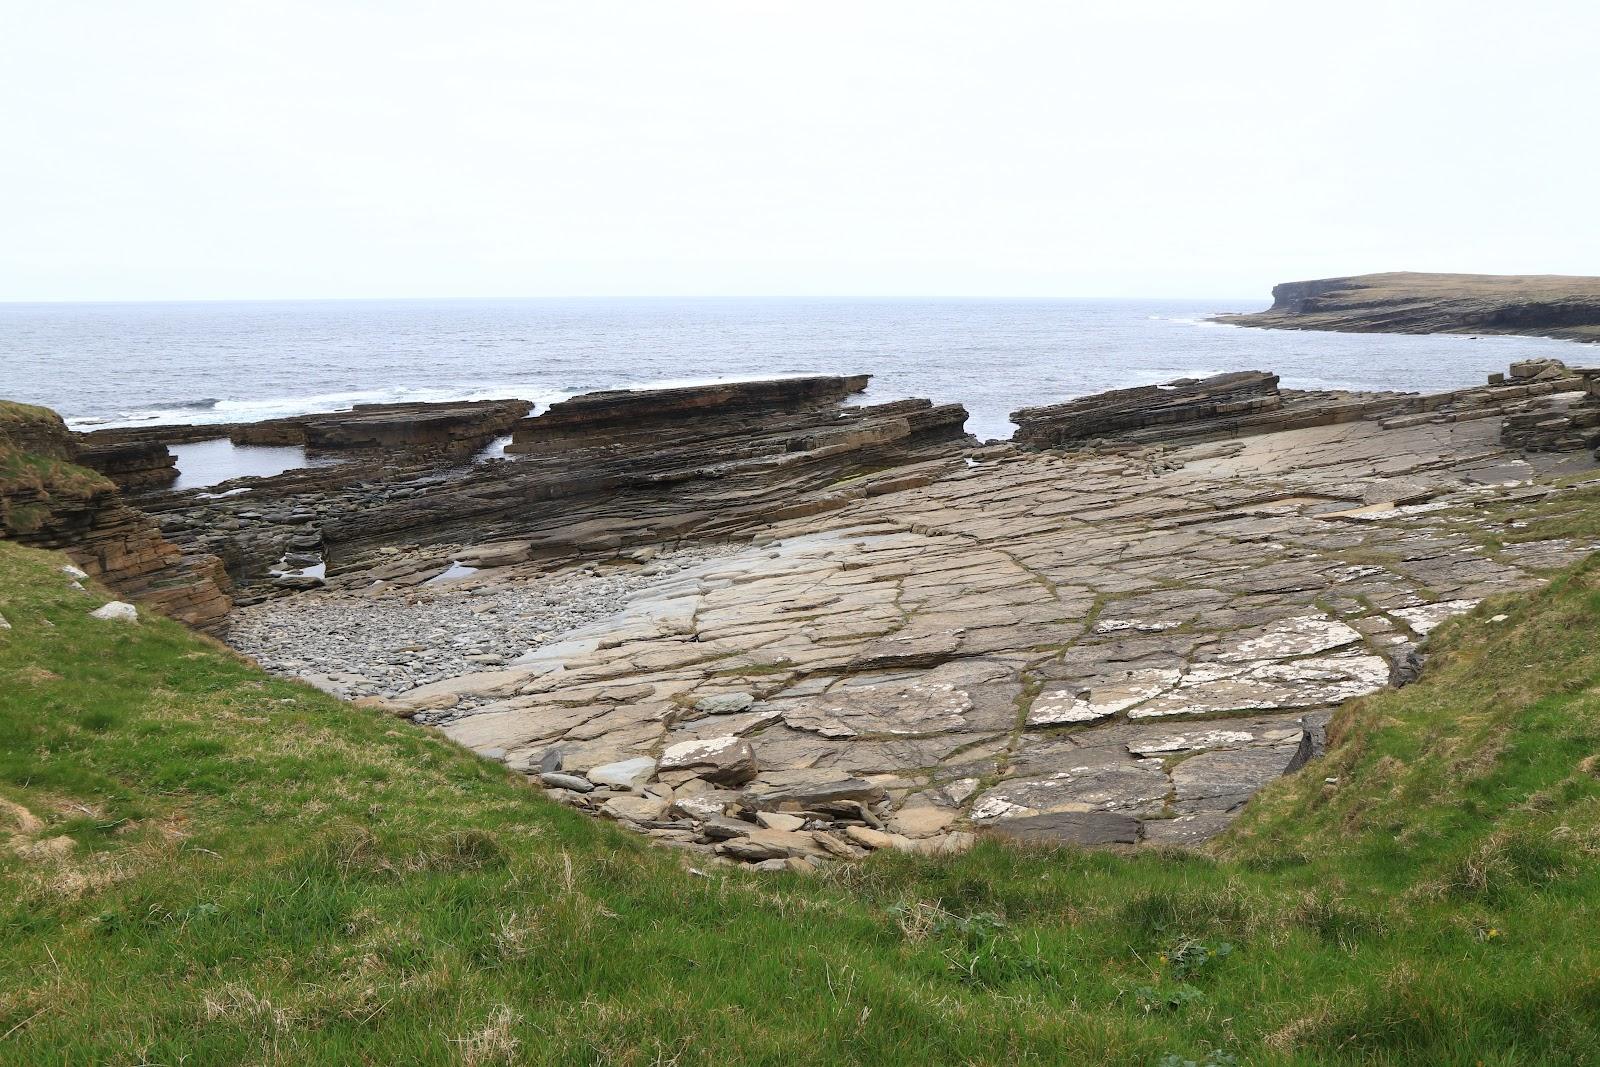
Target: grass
(36, 473)
(200, 864)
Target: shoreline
(690, 609)
(1408, 303)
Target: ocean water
(134, 364)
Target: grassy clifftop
(1545, 305)
(200, 864)
(37, 475)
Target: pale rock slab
(624, 774)
(1424, 618)
(116, 611)
(724, 760)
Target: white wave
(260, 410)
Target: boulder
(557, 780)
(624, 774)
(724, 704)
(635, 808)
(723, 760)
(116, 611)
(808, 791)
(867, 837)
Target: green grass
(36, 472)
(209, 866)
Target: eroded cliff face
(1405, 302)
(48, 500)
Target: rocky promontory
(1566, 307)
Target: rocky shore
(1407, 302)
(753, 621)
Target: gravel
(385, 642)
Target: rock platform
(1106, 643)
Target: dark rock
(83, 513)
(584, 479)
(132, 465)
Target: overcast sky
(154, 149)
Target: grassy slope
(230, 868)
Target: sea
(132, 364)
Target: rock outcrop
(453, 428)
(1244, 403)
(635, 418)
(133, 465)
(1055, 642)
(748, 620)
(1406, 302)
(47, 500)
(591, 475)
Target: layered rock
(1100, 646)
(1244, 403)
(1564, 420)
(48, 501)
(132, 464)
(1219, 405)
(1407, 302)
(603, 472)
(453, 428)
(629, 418)
(457, 428)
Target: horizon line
(597, 297)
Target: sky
(163, 150)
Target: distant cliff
(1405, 302)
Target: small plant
(1151, 1000)
(987, 952)
(1190, 956)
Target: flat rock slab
(1096, 647)
(1072, 828)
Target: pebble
(385, 645)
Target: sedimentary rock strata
(750, 621)
(48, 501)
(1113, 645)
(1250, 402)
(594, 474)
(1406, 302)
(452, 428)
(133, 465)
